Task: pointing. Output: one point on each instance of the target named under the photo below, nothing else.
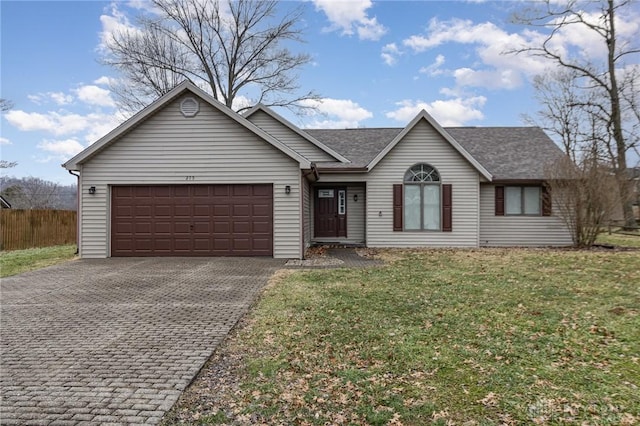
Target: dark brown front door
(330, 212)
(192, 220)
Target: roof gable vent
(189, 107)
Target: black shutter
(447, 203)
(499, 200)
(397, 207)
(546, 201)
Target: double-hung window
(523, 200)
(422, 198)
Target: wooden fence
(23, 229)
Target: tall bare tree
(229, 48)
(610, 81)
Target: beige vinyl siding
(518, 230)
(423, 144)
(289, 137)
(209, 148)
(355, 214)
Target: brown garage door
(192, 220)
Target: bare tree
(32, 193)
(585, 199)
(5, 104)
(611, 81)
(230, 48)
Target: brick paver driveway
(116, 340)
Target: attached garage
(192, 220)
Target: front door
(330, 212)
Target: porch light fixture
(287, 189)
(92, 190)
(355, 197)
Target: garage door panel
(263, 244)
(263, 210)
(241, 191)
(241, 228)
(124, 211)
(263, 228)
(141, 228)
(201, 211)
(142, 211)
(192, 220)
(262, 191)
(221, 228)
(241, 210)
(162, 210)
(182, 211)
(221, 210)
(141, 192)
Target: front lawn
(473, 337)
(630, 239)
(18, 261)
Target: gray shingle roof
(508, 153)
(360, 146)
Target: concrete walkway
(335, 257)
(115, 341)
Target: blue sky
(375, 64)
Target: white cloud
(490, 79)
(94, 95)
(64, 123)
(390, 53)
(115, 22)
(240, 102)
(434, 69)
(57, 97)
(490, 43)
(61, 148)
(61, 98)
(451, 112)
(105, 81)
(36, 99)
(4, 141)
(340, 113)
(351, 17)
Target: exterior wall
(355, 214)
(289, 137)
(209, 148)
(423, 144)
(306, 213)
(356, 222)
(518, 230)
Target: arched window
(422, 198)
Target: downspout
(77, 210)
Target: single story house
(188, 176)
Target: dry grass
(473, 337)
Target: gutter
(345, 170)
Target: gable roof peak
(162, 101)
(300, 132)
(424, 115)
